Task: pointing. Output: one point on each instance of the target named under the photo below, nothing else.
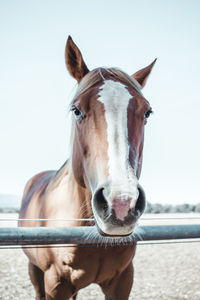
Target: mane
(89, 80)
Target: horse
(99, 180)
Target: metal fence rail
(89, 235)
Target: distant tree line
(151, 208)
(8, 210)
(157, 208)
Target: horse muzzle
(117, 215)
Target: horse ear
(74, 60)
(142, 75)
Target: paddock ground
(162, 272)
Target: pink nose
(121, 207)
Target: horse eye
(147, 113)
(77, 112)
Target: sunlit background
(35, 87)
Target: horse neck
(81, 198)
(74, 199)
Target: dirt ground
(162, 272)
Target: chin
(115, 231)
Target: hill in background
(9, 203)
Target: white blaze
(115, 97)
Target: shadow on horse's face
(109, 117)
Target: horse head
(109, 115)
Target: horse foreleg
(119, 287)
(57, 287)
(37, 279)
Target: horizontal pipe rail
(153, 218)
(89, 235)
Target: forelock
(100, 74)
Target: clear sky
(35, 88)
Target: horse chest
(94, 265)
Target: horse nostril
(100, 202)
(141, 202)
